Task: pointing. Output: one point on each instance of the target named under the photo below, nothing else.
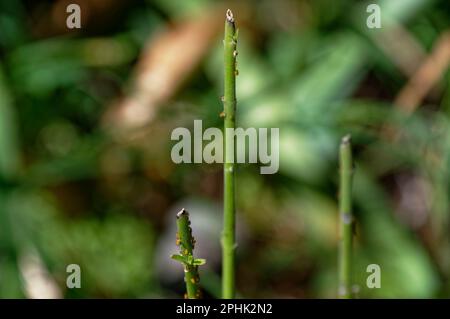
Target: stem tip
(346, 139)
(229, 15)
(182, 212)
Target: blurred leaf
(9, 148)
(406, 268)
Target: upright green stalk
(346, 218)
(229, 100)
(186, 242)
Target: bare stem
(229, 99)
(346, 218)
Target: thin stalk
(186, 242)
(346, 218)
(229, 100)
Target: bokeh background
(86, 116)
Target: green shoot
(345, 219)
(186, 242)
(229, 100)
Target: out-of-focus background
(86, 116)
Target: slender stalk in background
(346, 218)
(229, 99)
(186, 242)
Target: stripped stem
(229, 100)
(186, 242)
(346, 218)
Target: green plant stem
(229, 99)
(186, 242)
(346, 218)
